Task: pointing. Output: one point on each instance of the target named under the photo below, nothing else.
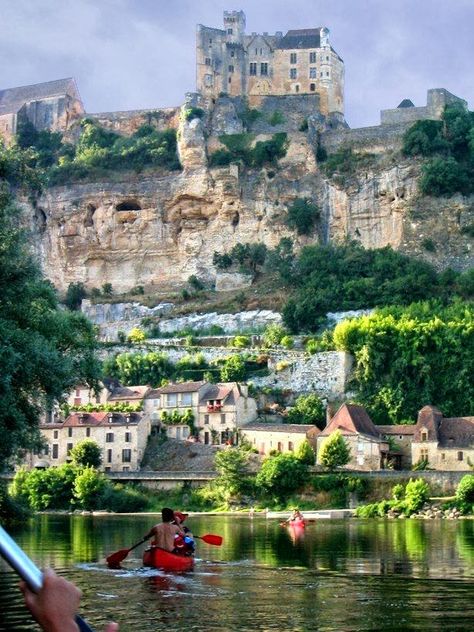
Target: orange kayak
(159, 558)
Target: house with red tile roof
(446, 443)
(266, 437)
(369, 450)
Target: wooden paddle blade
(209, 538)
(115, 558)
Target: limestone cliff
(156, 229)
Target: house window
(264, 69)
(460, 456)
(208, 61)
(55, 450)
(360, 459)
(253, 68)
(293, 73)
(55, 434)
(69, 432)
(280, 446)
(88, 432)
(125, 469)
(443, 456)
(424, 436)
(186, 399)
(312, 87)
(290, 446)
(109, 456)
(68, 448)
(231, 68)
(109, 437)
(78, 392)
(126, 455)
(223, 418)
(128, 437)
(297, 88)
(312, 73)
(206, 419)
(424, 454)
(107, 469)
(312, 58)
(292, 58)
(360, 446)
(172, 399)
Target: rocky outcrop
(157, 228)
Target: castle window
(256, 51)
(261, 51)
(210, 41)
(264, 69)
(208, 80)
(292, 58)
(231, 68)
(312, 58)
(232, 53)
(312, 73)
(460, 456)
(253, 68)
(230, 80)
(293, 73)
(320, 74)
(312, 87)
(327, 74)
(208, 61)
(229, 31)
(327, 58)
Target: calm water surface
(339, 575)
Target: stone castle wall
(376, 139)
(127, 122)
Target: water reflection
(347, 575)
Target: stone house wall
(267, 440)
(443, 458)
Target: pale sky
(133, 54)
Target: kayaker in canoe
(164, 532)
(296, 518)
(183, 545)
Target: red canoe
(159, 558)
(299, 524)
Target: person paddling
(164, 533)
(183, 545)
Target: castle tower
(234, 26)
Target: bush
(124, 499)
(233, 369)
(86, 453)
(74, 295)
(264, 152)
(302, 216)
(136, 336)
(305, 453)
(240, 342)
(276, 118)
(444, 176)
(346, 162)
(308, 409)
(195, 283)
(334, 451)
(192, 113)
(424, 138)
(89, 486)
(281, 475)
(417, 492)
(465, 489)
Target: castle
(259, 65)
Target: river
(333, 576)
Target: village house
(218, 409)
(122, 438)
(399, 439)
(266, 437)
(444, 443)
(369, 451)
(130, 395)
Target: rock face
(157, 229)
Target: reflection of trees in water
(465, 540)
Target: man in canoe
(164, 532)
(183, 545)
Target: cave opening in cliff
(128, 205)
(235, 219)
(40, 216)
(89, 217)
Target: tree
(281, 475)
(308, 409)
(233, 369)
(231, 465)
(302, 215)
(136, 336)
(305, 453)
(89, 486)
(74, 295)
(44, 351)
(334, 451)
(86, 453)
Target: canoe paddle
(114, 559)
(210, 538)
(27, 570)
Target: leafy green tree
(233, 369)
(281, 260)
(139, 368)
(107, 289)
(302, 216)
(44, 351)
(305, 453)
(424, 138)
(308, 409)
(74, 295)
(465, 489)
(89, 485)
(273, 335)
(86, 453)
(50, 488)
(444, 176)
(232, 467)
(281, 475)
(409, 357)
(334, 451)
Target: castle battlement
(260, 65)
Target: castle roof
(300, 38)
(12, 99)
(406, 103)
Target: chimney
(329, 414)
